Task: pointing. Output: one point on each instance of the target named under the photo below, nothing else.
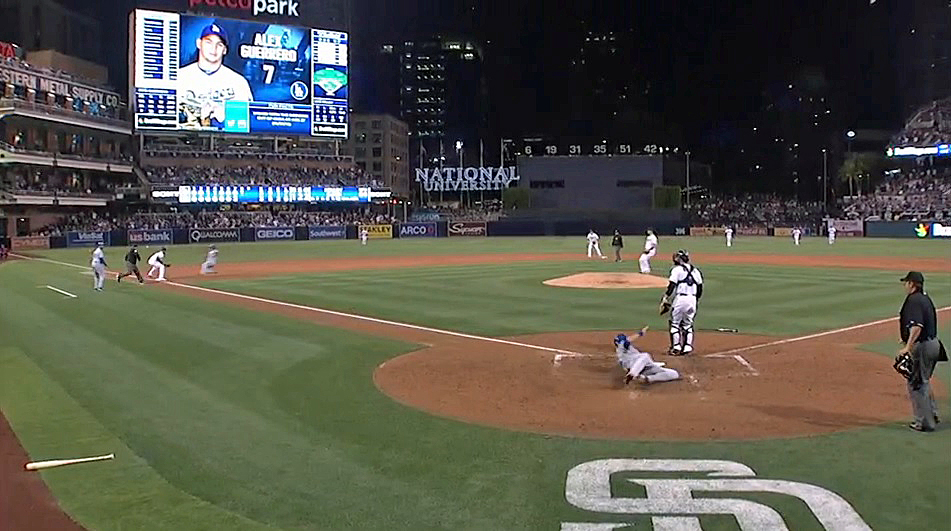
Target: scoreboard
(203, 73)
(552, 147)
(274, 194)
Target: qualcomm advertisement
(216, 74)
(418, 230)
(273, 233)
(214, 235)
(88, 238)
(328, 232)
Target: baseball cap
(215, 29)
(914, 276)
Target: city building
(442, 97)
(379, 145)
(48, 25)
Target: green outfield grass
(227, 418)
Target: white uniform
(684, 307)
(650, 249)
(729, 236)
(211, 260)
(796, 235)
(593, 245)
(831, 234)
(364, 234)
(640, 364)
(157, 261)
(98, 264)
(205, 93)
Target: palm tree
(857, 166)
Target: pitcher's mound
(608, 280)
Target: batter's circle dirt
(796, 389)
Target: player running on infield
(211, 260)
(99, 266)
(639, 365)
(684, 289)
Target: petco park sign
(286, 8)
(465, 179)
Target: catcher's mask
(681, 257)
(621, 340)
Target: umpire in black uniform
(617, 242)
(919, 333)
(132, 265)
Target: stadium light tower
(688, 180)
(850, 135)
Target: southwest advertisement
(327, 232)
(418, 230)
(377, 232)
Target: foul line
(810, 336)
(342, 314)
(57, 290)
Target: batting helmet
(621, 339)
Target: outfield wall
(450, 229)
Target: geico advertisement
(378, 232)
(273, 233)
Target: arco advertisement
(418, 230)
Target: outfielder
(98, 267)
(593, 245)
(207, 83)
(728, 231)
(211, 260)
(364, 235)
(796, 235)
(831, 234)
(640, 365)
(684, 287)
(157, 261)
(650, 249)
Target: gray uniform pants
(922, 401)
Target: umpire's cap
(215, 29)
(913, 276)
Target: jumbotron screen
(201, 73)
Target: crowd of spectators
(259, 174)
(488, 211)
(753, 210)
(916, 194)
(929, 126)
(58, 182)
(92, 221)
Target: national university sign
(465, 179)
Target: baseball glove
(664, 307)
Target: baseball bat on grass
(40, 465)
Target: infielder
(364, 235)
(650, 249)
(728, 231)
(98, 267)
(796, 235)
(685, 287)
(640, 365)
(157, 261)
(593, 245)
(131, 265)
(211, 260)
(831, 234)
(206, 84)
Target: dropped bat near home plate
(39, 465)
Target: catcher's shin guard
(687, 331)
(674, 337)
